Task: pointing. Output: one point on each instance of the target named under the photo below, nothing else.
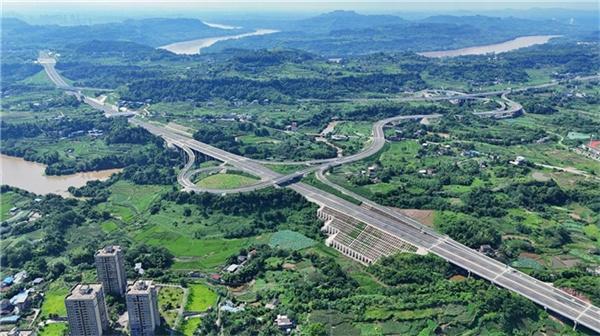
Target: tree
(315, 329)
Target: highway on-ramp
(405, 228)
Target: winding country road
(400, 226)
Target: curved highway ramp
(384, 227)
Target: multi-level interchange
(86, 306)
(366, 233)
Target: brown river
(517, 43)
(30, 176)
(195, 46)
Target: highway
(403, 227)
(49, 66)
(411, 231)
(456, 95)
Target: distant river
(194, 46)
(30, 176)
(519, 42)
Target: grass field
(54, 297)
(201, 298)
(287, 239)
(128, 200)
(225, 181)
(39, 78)
(54, 329)
(284, 169)
(190, 325)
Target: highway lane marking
(403, 232)
(501, 274)
(440, 241)
(582, 313)
(536, 282)
(522, 292)
(485, 261)
(517, 287)
(529, 279)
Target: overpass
(412, 233)
(376, 220)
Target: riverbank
(27, 175)
(517, 43)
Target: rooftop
(109, 250)
(19, 298)
(595, 144)
(140, 287)
(10, 319)
(84, 291)
(283, 321)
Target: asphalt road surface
(401, 226)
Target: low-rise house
(232, 268)
(487, 250)
(21, 301)
(284, 323)
(470, 153)
(138, 268)
(17, 332)
(372, 170)
(37, 281)
(20, 277)
(5, 307)
(8, 281)
(11, 319)
(230, 307)
(594, 147)
(339, 137)
(195, 274)
(272, 305)
(519, 160)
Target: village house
(284, 323)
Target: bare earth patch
(424, 217)
(541, 177)
(564, 261)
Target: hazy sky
(39, 5)
(91, 11)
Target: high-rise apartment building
(110, 265)
(142, 308)
(86, 310)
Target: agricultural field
(41, 104)
(176, 232)
(287, 239)
(442, 173)
(8, 201)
